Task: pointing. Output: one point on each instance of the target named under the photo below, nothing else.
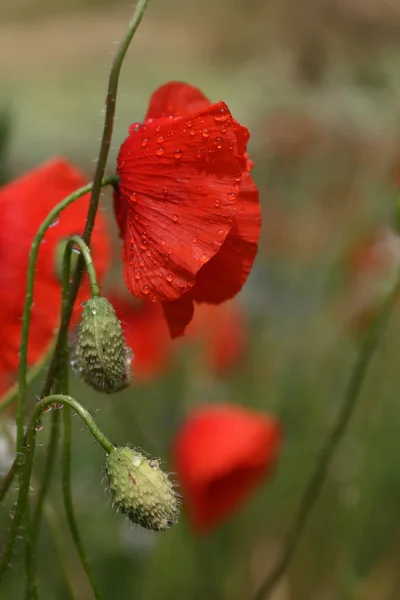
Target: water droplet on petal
(192, 132)
(220, 143)
(177, 154)
(158, 128)
(220, 232)
(145, 142)
(195, 240)
(224, 129)
(137, 275)
(160, 139)
(203, 258)
(223, 115)
(163, 242)
(190, 123)
(175, 218)
(217, 203)
(170, 277)
(160, 151)
(145, 289)
(205, 133)
(165, 190)
(154, 299)
(149, 253)
(232, 196)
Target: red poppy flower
(187, 207)
(24, 204)
(222, 331)
(221, 453)
(372, 266)
(146, 333)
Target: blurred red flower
(187, 207)
(222, 331)
(146, 333)
(24, 204)
(220, 454)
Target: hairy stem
(69, 507)
(76, 240)
(28, 462)
(111, 101)
(318, 476)
(26, 317)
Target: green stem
(29, 454)
(76, 240)
(111, 101)
(68, 504)
(26, 317)
(12, 393)
(31, 588)
(318, 477)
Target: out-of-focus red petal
(225, 274)
(179, 180)
(146, 333)
(176, 99)
(24, 204)
(222, 332)
(221, 452)
(178, 314)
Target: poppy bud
(141, 490)
(102, 358)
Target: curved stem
(318, 477)
(12, 393)
(76, 240)
(28, 462)
(68, 503)
(111, 101)
(26, 317)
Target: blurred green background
(318, 85)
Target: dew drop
(39, 426)
(163, 242)
(149, 253)
(175, 218)
(220, 143)
(54, 223)
(145, 289)
(220, 232)
(155, 463)
(94, 311)
(58, 405)
(158, 128)
(232, 196)
(133, 197)
(217, 203)
(145, 142)
(154, 299)
(135, 127)
(181, 285)
(170, 251)
(49, 407)
(137, 275)
(160, 139)
(192, 132)
(137, 461)
(224, 129)
(170, 277)
(238, 178)
(177, 154)
(13, 510)
(165, 190)
(190, 123)
(195, 240)
(205, 133)
(222, 116)
(160, 151)
(203, 258)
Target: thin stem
(12, 393)
(31, 588)
(26, 317)
(111, 101)
(68, 504)
(85, 250)
(29, 454)
(318, 477)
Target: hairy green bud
(101, 356)
(141, 490)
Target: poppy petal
(221, 453)
(225, 274)
(24, 204)
(178, 314)
(146, 333)
(176, 99)
(180, 202)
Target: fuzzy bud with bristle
(101, 356)
(141, 490)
